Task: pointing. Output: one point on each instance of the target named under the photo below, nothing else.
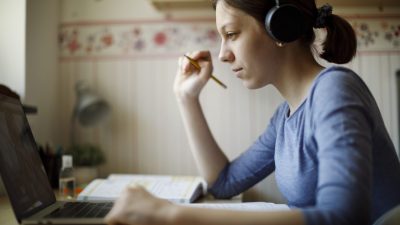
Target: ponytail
(340, 44)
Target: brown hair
(340, 44)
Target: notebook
(25, 180)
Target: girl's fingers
(200, 55)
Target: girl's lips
(237, 71)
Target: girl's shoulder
(337, 75)
(339, 90)
(337, 81)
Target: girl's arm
(209, 158)
(202, 216)
(137, 206)
(188, 85)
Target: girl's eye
(230, 35)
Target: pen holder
(52, 164)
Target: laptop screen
(21, 168)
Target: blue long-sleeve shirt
(333, 157)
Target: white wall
(12, 44)
(42, 78)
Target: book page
(246, 206)
(180, 189)
(101, 189)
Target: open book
(178, 189)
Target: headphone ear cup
(285, 23)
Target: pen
(195, 64)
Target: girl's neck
(297, 76)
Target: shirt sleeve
(250, 167)
(342, 130)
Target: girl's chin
(249, 84)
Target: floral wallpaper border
(104, 39)
(379, 35)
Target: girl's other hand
(137, 206)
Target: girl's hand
(137, 206)
(189, 81)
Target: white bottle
(67, 179)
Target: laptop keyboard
(82, 210)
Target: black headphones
(285, 23)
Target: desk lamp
(89, 108)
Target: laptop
(25, 180)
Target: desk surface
(7, 215)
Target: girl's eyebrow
(227, 24)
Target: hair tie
(324, 12)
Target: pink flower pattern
(160, 38)
(136, 39)
(179, 37)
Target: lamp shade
(89, 108)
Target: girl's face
(252, 54)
